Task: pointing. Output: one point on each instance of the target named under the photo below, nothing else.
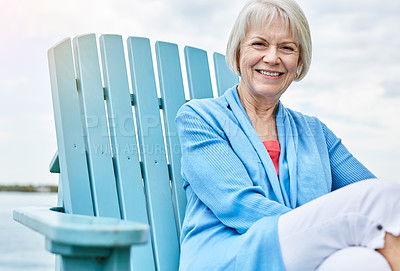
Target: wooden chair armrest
(80, 230)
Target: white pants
(357, 215)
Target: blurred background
(353, 84)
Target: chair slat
(198, 73)
(98, 146)
(70, 141)
(123, 141)
(152, 150)
(225, 78)
(173, 95)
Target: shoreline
(29, 188)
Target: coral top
(274, 149)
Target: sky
(352, 86)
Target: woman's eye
(288, 48)
(258, 44)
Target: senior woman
(269, 188)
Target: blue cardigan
(234, 195)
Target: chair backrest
(118, 148)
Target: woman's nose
(271, 56)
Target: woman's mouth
(270, 73)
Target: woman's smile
(270, 74)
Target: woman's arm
(346, 169)
(218, 177)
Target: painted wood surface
(118, 150)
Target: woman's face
(268, 62)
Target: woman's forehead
(267, 25)
(268, 28)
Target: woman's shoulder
(310, 122)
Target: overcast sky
(353, 84)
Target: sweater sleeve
(346, 169)
(219, 178)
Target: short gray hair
(257, 13)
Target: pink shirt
(274, 149)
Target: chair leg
(58, 263)
(73, 258)
(119, 260)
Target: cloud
(392, 88)
(355, 57)
(353, 82)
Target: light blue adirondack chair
(121, 202)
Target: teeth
(270, 73)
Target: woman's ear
(238, 61)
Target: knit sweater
(234, 195)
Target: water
(20, 247)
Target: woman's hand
(391, 251)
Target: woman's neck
(262, 116)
